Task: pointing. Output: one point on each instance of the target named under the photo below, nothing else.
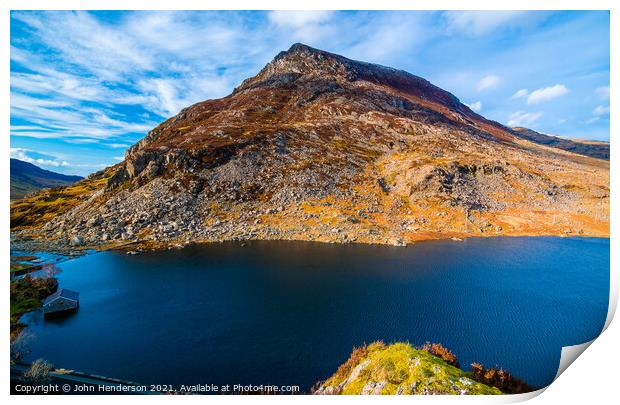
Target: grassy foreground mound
(401, 369)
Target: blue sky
(86, 85)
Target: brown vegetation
(499, 378)
(357, 354)
(437, 349)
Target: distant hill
(27, 178)
(595, 149)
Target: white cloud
(166, 97)
(601, 110)
(603, 92)
(520, 93)
(59, 118)
(177, 32)
(477, 106)
(82, 141)
(488, 82)
(147, 60)
(80, 38)
(477, 23)
(547, 93)
(29, 156)
(380, 40)
(306, 26)
(522, 118)
(297, 19)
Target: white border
(593, 378)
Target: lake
(289, 313)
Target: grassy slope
(404, 370)
(47, 204)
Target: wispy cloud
(488, 82)
(118, 145)
(59, 118)
(306, 26)
(97, 47)
(523, 118)
(547, 93)
(36, 158)
(476, 23)
(134, 62)
(603, 92)
(601, 110)
(520, 94)
(477, 106)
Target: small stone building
(61, 300)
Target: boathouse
(61, 300)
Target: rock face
(320, 147)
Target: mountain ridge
(319, 147)
(599, 150)
(28, 178)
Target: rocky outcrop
(401, 369)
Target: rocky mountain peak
(299, 48)
(301, 60)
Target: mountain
(27, 178)
(596, 149)
(320, 147)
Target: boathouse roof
(64, 293)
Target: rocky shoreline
(73, 249)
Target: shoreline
(65, 252)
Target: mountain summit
(320, 147)
(302, 60)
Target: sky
(87, 85)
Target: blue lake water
(290, 312)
